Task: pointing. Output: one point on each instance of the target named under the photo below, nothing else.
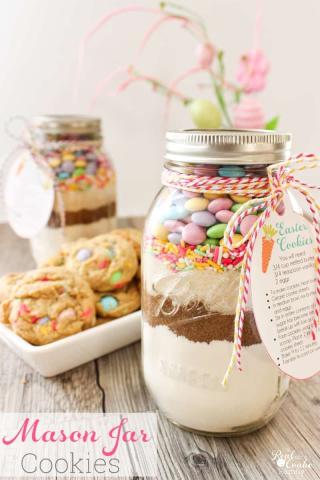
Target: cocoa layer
(195, 322)
(83, 216)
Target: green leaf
(272, 124)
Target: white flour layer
(184, 378)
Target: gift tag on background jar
(283, 292)
(28, 197)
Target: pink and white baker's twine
(280, 178)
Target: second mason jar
(191, 281)
(85, 190)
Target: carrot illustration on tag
(267, 245)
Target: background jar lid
(67, 124)
(227, 146)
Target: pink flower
(205, 54)
(252, 71)
(248, 114)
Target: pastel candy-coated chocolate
(160, 232)
(236, 207)
(63, 175)
(67, 314)
(43, 320)
(116, 277)
(78, 171)
(213, 242)
(231, 171)
(109, 303)
(204, 219)
(224, 216)
(54, 162)
(188, 194)
(213, 195)
(196, 204)
(240, 198)
(220, 204)
(193, 234)
(67, 167)
(91, 169)
(175, 212)
(83, 254)
(174, 225)
(175, 238)
(247, 223)
(217, 231)
(235, 240)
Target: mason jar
(191, 280)
(85, 188)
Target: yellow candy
(237, 238)
(67, 157)
(239, 198)
(196, 204)
(213, 195)
(160, 232)
(80, 163)
(54, 162)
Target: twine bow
(281, 179)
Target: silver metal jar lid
(67, 124)
(227, 146)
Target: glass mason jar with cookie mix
(191, 281)
(85, 190)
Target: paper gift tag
(283, 292)
(28, 197)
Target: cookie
(132, 235)
(49, 304)
(107, 264)
(7, 283)
(117, 303)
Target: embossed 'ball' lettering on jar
(191, 282)
(85, 188)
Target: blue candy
(231, 171)
(109, 303)
(63, 175)
(83, 254)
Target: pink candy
(193, 234)
(220, 204)
(247, 223)
(224, 216)
(174, 225)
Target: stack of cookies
(88, 282)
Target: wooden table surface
(114, 383)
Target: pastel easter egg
(236, 239)
(220, 204)
(54, 162)
(217, 231)
(109, 303)
(231, 171)
(67, 315)
(43, 320)
(240, 198)
(213, 195)
(175, 238)
(196, 204)
(188, 194)
(204, 219)
(247, 223)
(91, 169)
(67, 167)
(193, 234)
(83, 254)
(224, 216)
(174, 213)
(116, 277)
(160, 232)
(174, 225)
(213, 242)
(236, 207)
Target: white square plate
(70, 352)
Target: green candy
(116, 277)
(236, 207)
(78, 172)
(217, 231)
(213, 242)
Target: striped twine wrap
(267, 193)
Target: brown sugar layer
(83, 216)
(195, 322)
